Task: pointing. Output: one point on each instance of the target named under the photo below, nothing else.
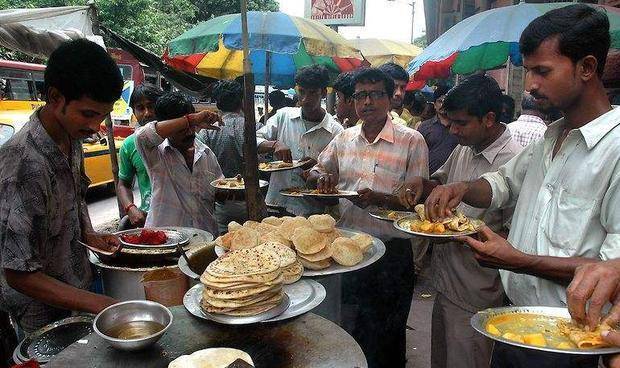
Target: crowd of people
(547, 189)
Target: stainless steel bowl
(132, 311)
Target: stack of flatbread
(244, 282)
(211, 358)
(315, 239)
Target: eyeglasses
(374, 95)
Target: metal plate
(50, 340)
(402, 225)
(340, 194)
(376, 251)
(293, 192)
(214, 184)
(192, 298)
(296, 164)
(382, 214)
(480, 319)
(174, 237)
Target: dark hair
(374, 75)
(415, 101)
(581, 29)
(81, 68)
(277, 99)
(312, 76)
(440, 90)
(477, 94)
(145, 90)
(292, 102)
(529, 102)
(228, 95)
(508, 104)
(345, 85)
(173, 105)
(395, 71)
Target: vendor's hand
(410, 193)
(326, 183)
(443, 199)
(612, 337)
(282, 152)
(137, 217)
(309, 163)
(103, 241)
(593, 285)
(204, 119)
(612, 361)
(494, 251)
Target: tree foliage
(421, 41)
(208, 9)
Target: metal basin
(200, 258)
(132, 311)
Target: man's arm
(48, 290)
(267, 140)
(125, 196)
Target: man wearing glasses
(298, 133)
(373, 158)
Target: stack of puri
(244, 282)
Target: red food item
(29, 364)
(146, 236)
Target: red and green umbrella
(488, 40)
(213, 48)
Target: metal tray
(50, 340)
(376, 251)
(192, 298)
(382, 214)
(261, 184)
(296, 164)
(400, 224)
(340, 194)
(480, 319)
(174, 237)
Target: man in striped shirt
(374, 158)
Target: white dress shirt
(566, 206)
(527, 129)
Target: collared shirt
(130, 164)
(406, 117)
(180, 197)
(439, 140)
(396, 155)
(288, 127)
(527, 128)
(456, 273)
(227, 143)
(566, 206)
(41, 192)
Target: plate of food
(541, 328)
(152, 238)
(280, 165)
(389, 215)
(236, 183)
(320, 247)
(334, 194)
(456, 225)
(294, 192)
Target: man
(345, 106)
(373, 158)
(564, 186)
(415, 103)
(298, 133)
(530, 126)
(436, 133)
(508, 109)
(181, 167)
(277, 100)
(227, 144)
(130, 164)
(401, 78)
(463, 286)
(43, 216)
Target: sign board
(336, 12)
(121, 109)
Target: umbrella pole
(254, 199)
(267, 82)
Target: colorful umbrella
(487, 40)
(379, 52)
(213, 48)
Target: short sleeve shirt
(130, 164)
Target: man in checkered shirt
(530, 126)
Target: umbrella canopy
(487, 40)
(213, 48)
(379, 52)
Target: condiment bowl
(132, 311)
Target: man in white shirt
(564, 187)
(530, 126)
(298, 133)
(181, 167)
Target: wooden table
(306, 341)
